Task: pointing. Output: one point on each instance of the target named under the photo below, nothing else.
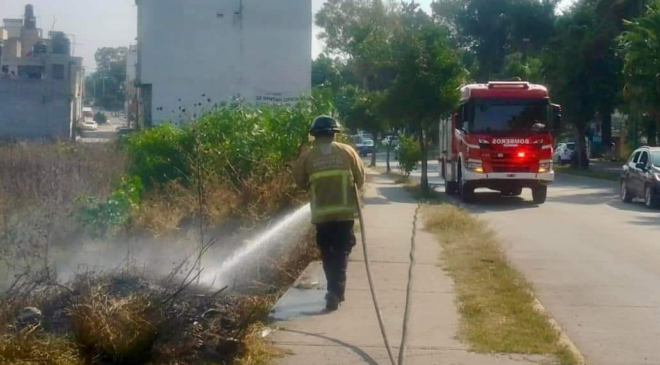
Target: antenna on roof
(54, 22)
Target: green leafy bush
(409, 154)
(235, 142)
(100, 118)
(159, 155)
(103, 216)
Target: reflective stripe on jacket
(329, 171)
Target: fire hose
(403, 349)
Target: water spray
(222, 275)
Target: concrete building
(41, 84)
(131, 103)
(254, 49)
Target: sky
(110, 23)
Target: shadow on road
(591, 198)
(355, 349)
(495, 202)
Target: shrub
(121, 329)
(102, 216)
(159, 155)
(100, 118)
(30, 346)
(409, 154)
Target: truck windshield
(655, 158)
(505, 116)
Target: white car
(89, 125)
(563, 153)
(364, 146)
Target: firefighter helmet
(323, 125)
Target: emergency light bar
(508, 85)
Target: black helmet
(324, 124)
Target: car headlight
(545, 167)
(475, 166)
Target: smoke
(235, 253)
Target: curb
(563, 337)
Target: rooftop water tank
(60, 43)
(30, 21)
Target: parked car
(641, 177)
(368, 146)
(364, 146)
(563, 153)
(124, 131)
(393, 140)
(89, 125)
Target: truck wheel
(539, 194)
(451, 187)
(626, 197)
(466, 191)
(651, 201)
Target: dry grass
(256, 349)
(30, 346)
(495, 301)
(168, 208)
(117, 328)
(39, 185)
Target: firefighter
(328, 171)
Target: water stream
(287, 231)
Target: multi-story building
(41, 83)
(190, 52)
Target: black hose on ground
(404, 338)
(372, 287)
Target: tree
(640, 45)
(526, 68)
(429, 73)
(107, 82)
(111, 60)
(326, 72)
(363, 110)
(493, 29)
(359, 31)
(568, 70)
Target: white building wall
(221, 49)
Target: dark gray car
(641, 177)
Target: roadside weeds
(498, 310)
(591, 173)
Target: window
(655, 158)
(58, 72)
(635, 157)
(505, 117)
(644, 159)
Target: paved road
(105, 133)
(593, 261)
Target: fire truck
(501, 138)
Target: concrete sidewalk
(351, 335)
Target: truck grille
(510, 168)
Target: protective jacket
(329, 171)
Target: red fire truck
(500, 138)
